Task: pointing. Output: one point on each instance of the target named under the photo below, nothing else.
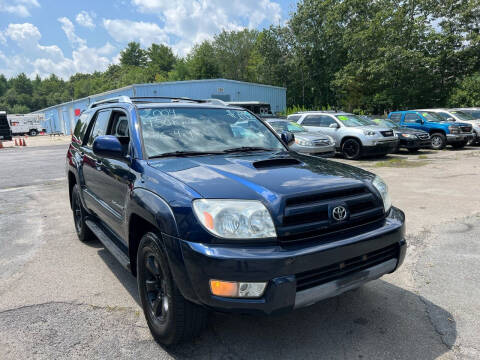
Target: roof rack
(144, 99)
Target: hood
(259, 175)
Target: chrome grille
(387, 133)
(465, 128)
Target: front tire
(170, 317)
(352, 149)
(79, 216)
(439, 141)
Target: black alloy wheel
(351, 149)
(79, 216)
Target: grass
(422, 156)
(400, 163)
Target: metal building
(63, 117)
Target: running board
(109, 244)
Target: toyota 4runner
(208, 216)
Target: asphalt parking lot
(60, 298)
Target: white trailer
(31, 124)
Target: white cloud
(126, 30)
(85, 19)
(69, 30)
(35, 58)
(187, 22)
(18, 7)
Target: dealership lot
(60, 298)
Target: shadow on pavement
(377, 321)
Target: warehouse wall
(62, 117)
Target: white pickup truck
(31, 124)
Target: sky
(67, 36)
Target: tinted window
(312, 120)
(444, 116)
(411, 118)
(326, 121)
(99, 127)
(396, 117)
(294, 117)
(81, 127)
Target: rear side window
(81, 127)
(396, 117)
(294, 117)
(411, 118)
(99, 127)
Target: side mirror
(419, 121)
(287, 137)
(450, 119)
(108, 146)
(334, 126)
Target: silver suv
(354, 136)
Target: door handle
(98, 164)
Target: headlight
(369, 132)
(235, 219)
(303, 142)
(454, 129)
(382, 188)
(408, 135)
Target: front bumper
(315, 150)
(383, 148)
(281, 266)
(415, 143)
(455, 138)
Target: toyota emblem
(339, 213)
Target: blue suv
(206, 205)
(442, 131)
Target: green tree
(133, 55)
(22, 84)
(202, 62)
(161, 58)
(467, 94)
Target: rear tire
(439, 141)
(170, 317)
(79, 216)
(33, 132)
(351, 149)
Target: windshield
(474, 113)
(168, 130)
(353, 120)
(386, 123)
(462, 115)
(292, 127)
(434, 117)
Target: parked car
(472, 118)
(354, 137)
(210, 220)
(442, 131)
(474, 111)
(410, 139)
(5, 132)
(307, 142)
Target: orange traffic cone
(16, 142)
(24, 143)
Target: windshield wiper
(246, 149)
(185, 153)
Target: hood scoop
(275, 162)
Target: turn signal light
(233, 289)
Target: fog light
(235, 289)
